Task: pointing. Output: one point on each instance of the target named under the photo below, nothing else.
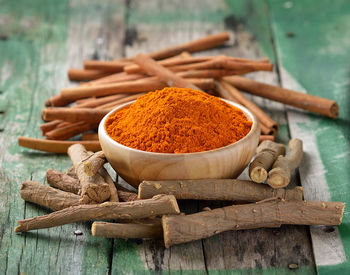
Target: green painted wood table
(309, 42)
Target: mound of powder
(177, 120)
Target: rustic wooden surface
(40, 39)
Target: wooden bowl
(134, 165)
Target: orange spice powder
(178, 120)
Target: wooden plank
(42, 40)
(313, 55)
(231, 251)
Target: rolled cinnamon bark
(210, 73)
(204, 43)
(139, 86)
(308, 102)
(118, 77)
(182, 229)
(48, 126)
(63, 132)
(158, 205)
(135, 69)
(82, 74)
(216, 189)
(111, 89)
(56, 101)
(96, 102)
(223, 62)
(228, 92)
(47, 196)
(55, 146)
(126, 230)
(163, 74)
(114, 66)
(89, 136)
(117, 102)
(266, 137)
(74, 114)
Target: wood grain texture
(44, 38)
(320, 70)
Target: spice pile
(87, 192)
(78, 110)
(178, 120)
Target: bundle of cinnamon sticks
(76, 112)
(87, 192)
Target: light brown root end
(277, 181)
(93, 229)
(258, 175)
(167, 244)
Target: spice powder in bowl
(178, 120)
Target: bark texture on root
(267, 153)
(280, 174)
(127, 230)
(62, 181)
(186, 228)
(158, 205)
(216, 189)
(47, 196)
(94, 189)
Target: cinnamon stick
(231, 92)
(266, 137)
(114, 66)
(216, 189)
(280, 174)
(47, 196)
(96, 102)
(182, 229)
(56, 101)
(94, 189)
(111, 89)
(70, 130)
(267, 153)
(62, 181)
(117, 102)
(87, 115)
(204, 43)
(139, 86)
(89, 136)
(118, 77)
(82, 74)
(210, 73)
(48, 126)
(126, 230)
(55, 146)
(135, 69)
(308, 102)
(162, 73)
(158, 205)
(223, 62)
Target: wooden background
(309, 42)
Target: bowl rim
(255, 126)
